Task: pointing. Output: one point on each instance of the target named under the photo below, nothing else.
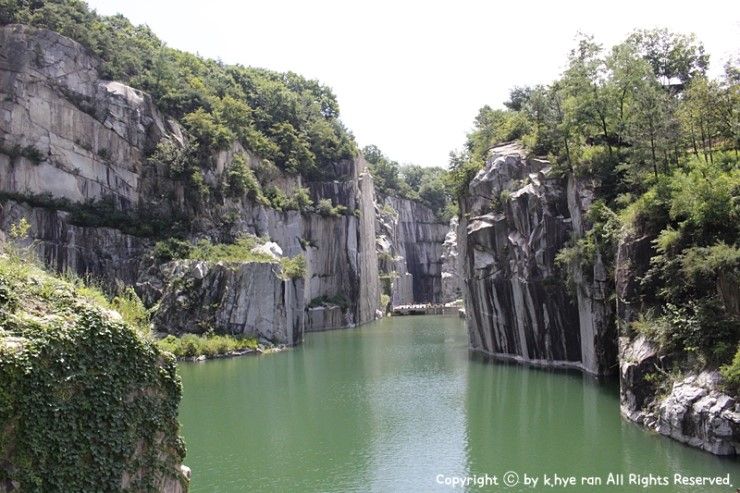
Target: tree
(518, 98)
(433, 194)
(590, 91)
(675, 58)
(293, 153)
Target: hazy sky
(411, 75)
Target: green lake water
(401, 405)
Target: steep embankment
(515, 218)
(694, 406)
(86, 403)
(96, 168)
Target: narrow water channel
(400, 405)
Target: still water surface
(393, 404)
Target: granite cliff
(515, 218)
(78, 161)
(411, 252)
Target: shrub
(240, 179)
(133, 311)
(171, 249)
(293, 267)
(207, 130)
(29, 152)
(731, 374)
(302, 199)
(324, 207)
(209, 344)
(239, 251)
(384, 301)
(176, 158)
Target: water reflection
(545, 422)
(389, 406)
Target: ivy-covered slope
(86, 402)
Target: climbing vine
(84, 401)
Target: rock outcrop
(515, 217)
(695, 411)
(104, 253)
(410, 249)
(451, 281)
(251, 300)
(692, 409)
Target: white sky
(411, 75)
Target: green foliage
(325, 208)
(240, 180)
(176, 159)
(171, 249)
(701, 328)
(706, 199)
(385, 300)
(104, 213)
(731, 374)
(656, 137)
(19, 230)
(132, 310)
(422, 184)
(84, 398)
(209, 345)
(600, 240)
(293, 267)
(239, 251)
(300, 200)
(29, 152)
(280, 116)
(210, 134)
(619, 115)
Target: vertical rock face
(341, 253)
(87, 136)
(451, 282)
(100, 252)
(516, 216)
(68, 138)
(410, 245)
(369, 294)
(240, 299)
(695, 411)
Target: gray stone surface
(451, 281)
(515, 217)
(695, 412)
(236, 299)
(410, 233)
